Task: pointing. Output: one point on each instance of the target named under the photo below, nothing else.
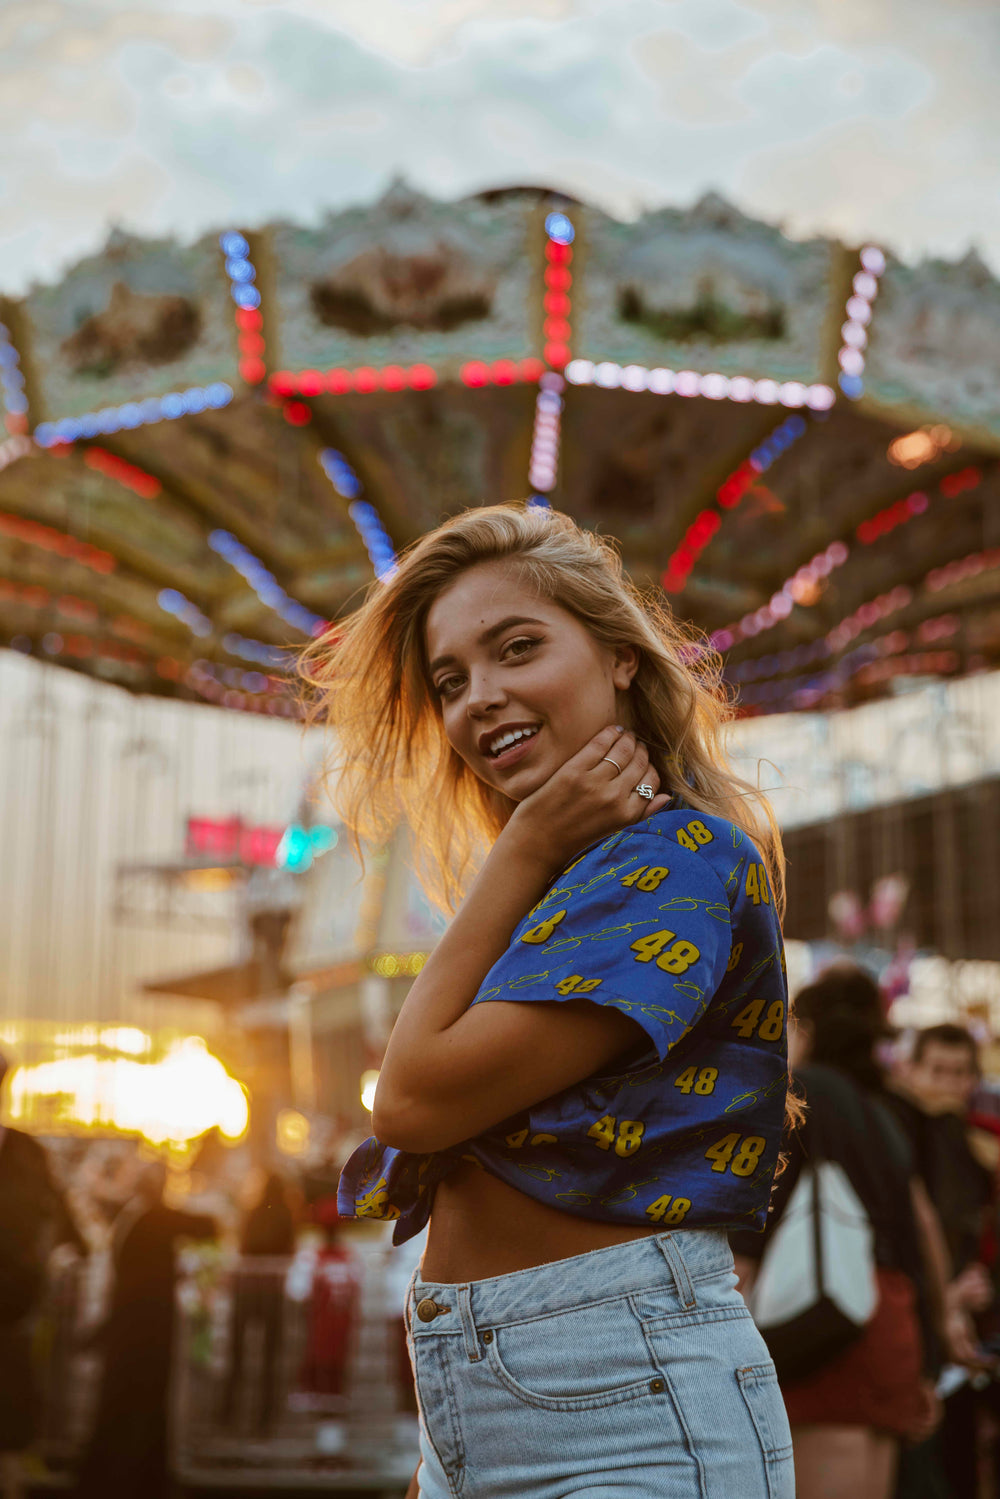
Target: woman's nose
(485, 693)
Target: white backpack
(816, 1288)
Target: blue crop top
(671, 921)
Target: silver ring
(645, 791)
(613, 762)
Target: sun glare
(171, 1101)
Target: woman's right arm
(413, 1492)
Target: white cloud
(863, 117)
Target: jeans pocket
(576, 1360)
(759, 1386)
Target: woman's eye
(448, 685)
(520, 646)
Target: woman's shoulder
(684, 836)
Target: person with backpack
(854, 1392)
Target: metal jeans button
(427, 1309)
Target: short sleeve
(643, 927)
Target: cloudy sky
(859, 117)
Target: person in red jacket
(333, 1309)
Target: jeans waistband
(670, 1261)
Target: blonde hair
(391, 761)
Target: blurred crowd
(905, 1404)
(94, 1236)
(107, 1257)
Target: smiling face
(522, 683)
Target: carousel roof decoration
(212, 447)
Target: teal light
(299, 846)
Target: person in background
(127, 1454)
(849, 1417)
(957, 1164)
(33, 1221)
(333, 1309)
(259, 1299)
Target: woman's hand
(928, 1418)
(972, 1289)
(591, 796)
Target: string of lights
(781, 603)
(242, 275)
(962, 570)
(365, 380)
(127, 474)
(801, 587)
(874, 662)
(854, 331)
(33, 533)
(378, 543)
(135, 414)
(12, 383)
(715, 387)
(148, 487)
(209, 682)
(556, 301)
(264, 584)
(868, 614)
(705, 525)
(172, 601)
(258, 651)
(543, 466)
(80, 647)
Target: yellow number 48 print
(748, 1022)
(696, 832)
(672, 959)
(740, 1156)
(630, 1133)
(669, 1209)
(756, 884)
(647, 877)
(543, 931)
(577, 984)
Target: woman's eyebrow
(486, 637)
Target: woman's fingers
(639, 772)
(611, 745)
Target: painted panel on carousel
(141, 318)
(934, 338)
(407, 280)
(704, 289)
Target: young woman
(585, 1086)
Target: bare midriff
(482, 1227)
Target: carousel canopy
(212, 447)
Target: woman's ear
(626, 664)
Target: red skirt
(876, 1381)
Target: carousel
(212, 448)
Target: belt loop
(682, 1280)
(472, 1347)
(408, 1300)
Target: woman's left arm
(450, 1071)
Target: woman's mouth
(509, 749)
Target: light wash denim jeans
(633, 1372)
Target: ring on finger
(612, 762)
(645, 790)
